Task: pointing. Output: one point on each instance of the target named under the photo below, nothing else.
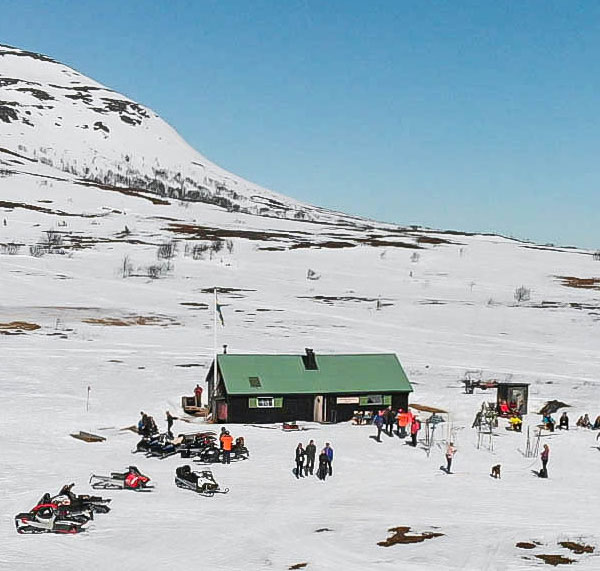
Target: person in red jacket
(414, 431)
(198, 395)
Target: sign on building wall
(347, 400)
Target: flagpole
(215, 368)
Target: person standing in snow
(378, 422)
(170, 420)
(450, 452)
(390, 417)
(402, 423)
(329, 451)
(310, 451)
(414, 431)
(299, 461)
(545, 455)
(324, 463)
(226, 443)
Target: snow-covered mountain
(55, 115)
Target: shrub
(522, 294)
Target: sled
(88, 437)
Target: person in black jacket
(299, 461)
(390, 418)
(170, 419)
(323, 465)
(310, 452)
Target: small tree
(522, 294)
(126, 267)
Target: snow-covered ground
(446, 307)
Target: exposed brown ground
(555, 560)
(526, 545)
(17, 327)
(131, 320)
(581, 283)
(577, 548)
(400, 536)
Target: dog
(495, 471)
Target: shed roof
(286, 374)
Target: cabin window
(265, 402)
(254, 382)
(376, 399)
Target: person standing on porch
(198, 395)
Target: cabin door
(319, 409)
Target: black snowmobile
(157, 447)
(133, 479)
(209, 455)
(77, 504)
(50, 518)
(202, 482)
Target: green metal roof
(286, 374)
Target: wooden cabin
(309, 387)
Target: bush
(156, 271)
(11, 248)
(126, 267)
(522, 294)
(166, 251)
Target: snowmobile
(133, 479)
(202, 482)
(75, 504)
(193, 444)
(50, 518)
(211, 455)
(239, 450)
(156, 447)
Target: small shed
(309, 387)
(515, 395)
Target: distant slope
(53, 114)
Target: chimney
(310, 362)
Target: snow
(452, 310)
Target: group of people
(405, 421)
(584, 422)
(563, 422)
(146, 425)
(305, 460)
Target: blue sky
(464, 115)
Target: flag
(220, 314)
